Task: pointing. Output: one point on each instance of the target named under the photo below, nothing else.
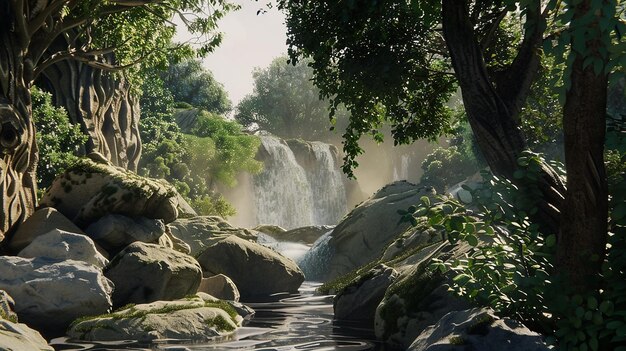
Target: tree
(399, 62)
(137, 31)
(189, 82)
(285, 102)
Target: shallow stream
(300, 322)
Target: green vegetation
(210, 151)
(58, 139)
(286, 103)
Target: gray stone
(358, 301)
(477, 329)
(270, 229)
(41, 222)
(366, 231)
(114, 232)
(219, 286)
(305, 235)
(60, 245)
(20, 337)
(203, 231)
(198, 318)
(49, 295)
(255, 269)
(149, 272)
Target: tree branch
(20, 16)
(52, 8)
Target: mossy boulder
(89, 190)
(199, 317)
(149, 272)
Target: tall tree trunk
(493, 110)
(101, 104)
(17, 132)
(583, 235)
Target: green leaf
(425, 200)
(551, 240)
(592, 303)
(472, 240)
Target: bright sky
(249, 41)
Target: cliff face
(101, 104)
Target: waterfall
(295, 251)
(314, 263)
(298, 191)
(401, 172)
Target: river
(299, 322)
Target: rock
(477, 329)
(114, 232)
(203, 231)
(255, 269)
(358, 301)
(364, 233)
(49, 295)
(16, 336)
(198, 318)
(148, 272)
(41, 222)
(419, 297)
(88, 190)
(219, 286)
(305, 235)
(270, 229)
(59, 245)
(184, 208)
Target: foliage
(189, 82)
(214, 153)
(511, 265)
(57, 138)
(286, 103)
(447, 166)
(381, 60)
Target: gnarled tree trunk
(493, 110)
(17, 131)
(102, 105)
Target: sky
(250, 41)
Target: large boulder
(203, 231)
(49, 295)
(198, 318)
(359, 300)
(60, 245)
(149, 272)
(366, 232)
(114, 232)
(419, 297)
(219, 286)
(255, 269)
(41, 222)
(91, 189)
(477, 329)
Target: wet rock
(41, 222)
(219, 286)
(148, 272)
(306, 235)
(255, 269)
(90, 190)
(203, 231)
(49, 295)
(197, 318)
(270, 229)
(477, 329)
(358, 301)
(59, 245)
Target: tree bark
(101, 104)
(493, 110)
(18, 148)
(583, 233)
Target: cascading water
(314, 263)
(401, 172)
(293, 195)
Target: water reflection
(281, 323)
